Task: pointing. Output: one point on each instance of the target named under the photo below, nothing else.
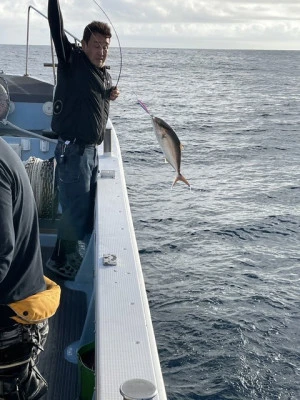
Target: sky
(200, 24)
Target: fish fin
(180, 177)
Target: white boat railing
(118, 317)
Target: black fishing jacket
(21, 267)
(81, 100)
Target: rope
(36, 135)
(41, 175)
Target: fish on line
(169, 143)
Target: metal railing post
(107, 138)
(77, 41)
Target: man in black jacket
(80, 113)
(22, 283)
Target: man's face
(96, 49)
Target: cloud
(176, 11)
(168, 23)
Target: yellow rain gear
(38, 307)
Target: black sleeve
(62, 45)
(7, 233)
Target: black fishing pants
(20, 346)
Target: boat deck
(64, 328)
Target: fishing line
(120, 49)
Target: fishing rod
(120, 49)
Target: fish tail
(180, 177)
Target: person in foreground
(27, 297)
(80, 112)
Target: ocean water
(221, 261)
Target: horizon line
(167, 48)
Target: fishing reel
(4, 100)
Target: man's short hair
(96, 27)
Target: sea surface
(221, 261)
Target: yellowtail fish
(169, 143)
